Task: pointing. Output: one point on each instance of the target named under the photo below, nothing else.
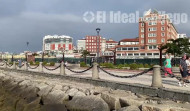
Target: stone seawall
(29, 91)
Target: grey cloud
(31, 20)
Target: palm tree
(85, 53)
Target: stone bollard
(25, 66)
(14, 65)
(156, 78)
(40, 69)
(62, 69)
(95, 73)
(5, 64)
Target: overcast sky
(31, 20)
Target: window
(142, 35)
(142, 41)
(149, 54)
(142, 54)
(162, 22)
(152, 29)
(152, 23)
(152, 47)
(163, 40)
(156, 53)
(130, 48)
(163, 34)
(119, 48)
(118, 54)
(136, 48)
(136, 54)
(129, 54)
(142, 29)
(162, 28)
(124, 48)
(142, 24)
(151, 34)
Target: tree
(177, 47)
(85, 53)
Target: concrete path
(145, 79)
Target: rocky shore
(28, 92)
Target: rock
(72, 91)
(79, 93)
(53, 107)
(25, 82)
(127, 101)
(154, 107)
(55, 97)
(129, 108)
(66, 88)
(57, 87)
(87, 103)
(44, 90)
(111, 100)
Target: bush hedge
(83, 64)
(52, 63)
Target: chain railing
(78, 71)
(129, 76)
(9, 65)
(2, 64)
(20, 66)
(50, 68)
(32, 67)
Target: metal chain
(32, 67)
(130, 76)
(2, 64)
(9, 65)
(52, 69)
(20, 66)
(78, 71)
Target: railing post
(5, 64)
(95, 72)
(40, 69)
(14, 65)
(156, 78)
(62, 68)
(25, 66)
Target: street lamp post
(98, 42)
(62, 49)
(160, 49)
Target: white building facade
(81, 44)
(181, 36)
(56, 44)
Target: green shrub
(37, 63)
(101, 64)
(44, 63)
(133, 66)
(126, 65)
(140, 65)
(120, 66)
(82, 64)
(146, 66)
(52, 63)
(109, 65)
(31, 63)
(11, 63)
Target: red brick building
(95, 43)
(154, 30)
